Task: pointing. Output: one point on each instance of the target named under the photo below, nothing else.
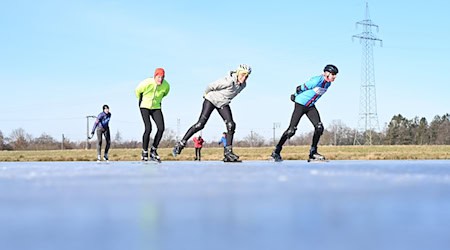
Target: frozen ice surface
(215, 205)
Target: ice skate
(154, 155)
(99, 158)
(230, 156)
(314, 156)
(105, 158)
(177, 149)
(144, 156)
(275, 156)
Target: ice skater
(305, 97)
(150, 93)
(101, 124)
(218, 96)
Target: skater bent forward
(218, 96)
(305, 97)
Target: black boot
(276, 156)
(230, 156)
(144, 156)
(315, 156)
(178, 147)
(154, 155)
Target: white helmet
(245, 68)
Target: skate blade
(228, 161)
(149, 162)
(274, 160)
(317, 161)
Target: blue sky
(62, 60)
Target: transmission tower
(368, 118)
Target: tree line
(399, 131)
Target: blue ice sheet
(214, 205)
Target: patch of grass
(262, 153)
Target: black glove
(140, 99)
(298, 90)
(293, 97)
(92, 135)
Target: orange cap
(159, 72)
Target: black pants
(299, 111)
(158, 117)
(198, 153)
(207, 109)
(100, 133)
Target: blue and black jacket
(308, 93)
(102, 121)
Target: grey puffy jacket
(222, 91)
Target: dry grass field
(288, 153)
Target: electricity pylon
(368, 118)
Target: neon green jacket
(150, 94)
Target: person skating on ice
(218, 96)
(150, 93)
(305, 97)
(101, 124)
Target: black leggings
(224, 112)
(158, 117)
(105, 132)
(198, 153)
(314, 117)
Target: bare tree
(301, 139)
(168, 139)
(45, 142)
(2, 141)
(19, 139)
(422, 133)
(339, 134)
(117, 142)
(118, 137)
(443, 130)
(253, 140)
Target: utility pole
(87, 130)
(368, 118)
(178, 129)
(275, 126)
